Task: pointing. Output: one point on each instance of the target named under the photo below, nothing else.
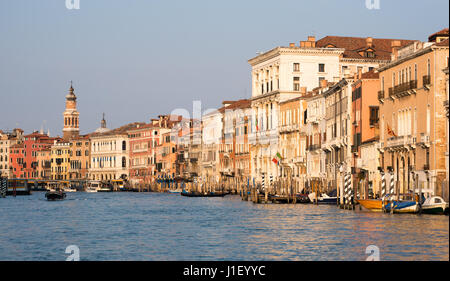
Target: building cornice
(293, 50)
(363, 60)
(406, 58)
(336, 87)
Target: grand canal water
(153, 226)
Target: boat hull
(55, 196)
(374, 205)
(197, 194)
(410, 207)
(174, 191)
(434, 210)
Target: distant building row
(322, 111)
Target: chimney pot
(291, 45)
(369, 41)
(312, 38)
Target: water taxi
(93, 186)
(65, 185)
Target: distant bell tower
(103, 123)
(71, 116)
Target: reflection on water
(152, 226)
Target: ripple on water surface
(152, 226)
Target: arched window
(124, 162)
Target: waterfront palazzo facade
(339, 112)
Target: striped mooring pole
(350, 190)
(345, 188)
(391, 191)
(383, 184)
(263, 183)
(3, 187)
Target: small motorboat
(54, 195)
(324, 199)
(435, 205)
(374, 205)
(175, 191)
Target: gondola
(206, 194)
(55, 195)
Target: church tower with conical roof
(71, 116)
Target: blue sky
(135, 59)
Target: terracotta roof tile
(370, 75)
(442, 43)
(354, 45)
(443, 32)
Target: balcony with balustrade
(401, 142)
(426, 80)
(404, 89)
(424, 140)
(381, 96)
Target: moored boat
(435, 205)
(302, 198)
(406, 206)
(175, 191)
(374, 205)
(93, 186)
(105, 187)
(324, 199)
(200, 194)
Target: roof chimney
(312, 40)
(303, 91)
(359, 73)
(323, 83)
(291, 45)
(369, 41)
(395, 44)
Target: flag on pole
(390, 131)
(274, 160)
(279, 156)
